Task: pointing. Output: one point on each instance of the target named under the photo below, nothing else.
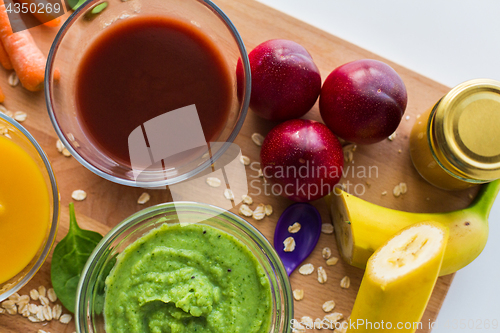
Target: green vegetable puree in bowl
(187, 278)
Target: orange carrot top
(25, 56)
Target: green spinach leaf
(69, 258)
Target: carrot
(27, 59)
(53, 23)
(2, 96)
(4, 58)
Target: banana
(399, 280)
(362, 227)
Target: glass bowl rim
(146, 213)
(245, 100)
(49, 241)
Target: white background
(449, 41)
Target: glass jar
(91, 289)
(73, 41)
(13, 131)
(456, 143)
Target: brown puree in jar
(142, 67)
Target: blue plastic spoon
(306, 239)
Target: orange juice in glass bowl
(29, 206)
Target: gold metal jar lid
(465, 129)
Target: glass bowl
(25, 140)
(71, 43)
(91, 291)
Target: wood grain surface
(108, 203)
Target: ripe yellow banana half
(362, 227)
(399, 280)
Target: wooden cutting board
(108, 203)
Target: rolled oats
(298, 294)
(143, 198)
(298, 327)
(345, 282)
(8, 304)
(34, 319)
(334, 317)
(403, 187)
(65, 318)
(47, 313)
(244, 160)
(51, 295)
(44, 300)
(259, 212)
(245, 210)
(332, 261)
(57, 311)
(326, 253)
(59, 145)
(24, 299)
(307, 321)
(396, 191)
(20, 116)
(258, 139)
(319, 324)
(78, 195)
(25, 312)
(11, 311)
(13, 79)
(260, 173)
(322, 278)
(327, 228)
(228, 194)
(39, 314)
(247, 199)
(213, 181)
(328, 306)
(33, 308)
(294, 228)
(348, 156)
(66, 152)
(289, 244)
(306, 269)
